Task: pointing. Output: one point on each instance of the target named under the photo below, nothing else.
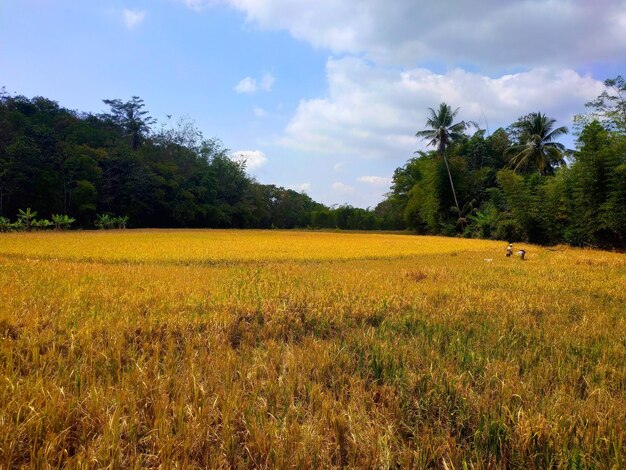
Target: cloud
(342, 188)
(133, 18)
(568, 33)
(373, 111)
(375, 180)
(247, 85)
(250, 85)
(199, 5)
(339, 166)
(267, 82)
(259, 112)
(302, 187)
(253, 159)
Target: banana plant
(104, 221)
(62, 222)
(41, 224)
(5, 224)
(17, 226)
(120, 222)
(27, 217)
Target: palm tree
(442, 133)
(537, 147)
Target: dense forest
(517, 184)
(520, 183)
(58, 161)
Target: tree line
(519, 183)
(120, 165)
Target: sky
(321, 96)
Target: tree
(442, 133)
(597, 189)
(536, 146)
(610, 106)
(130, 116)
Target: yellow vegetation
(310, 350)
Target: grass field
(269, 349)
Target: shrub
(62, 222)
(5, 224)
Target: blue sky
(319, 95)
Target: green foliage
(536, 148)
(104, 221)
(62, 222)
(17, 226)
(59, 161)
(539, 199)
(323, 218)
(121, 221)
(42, 224)
(596, 187)
(440, 129)
(5, 224)
(27, 217)
(131, 118)
(510, 185)
(610, 107)
(483, 224)
(108, 221)
(442, 133)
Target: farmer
(509, 250)
(521, 254)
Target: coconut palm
(442, 132)
(537, 148)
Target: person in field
(521, 254)
(509, 250)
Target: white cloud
(251, 85)
(342, 188)
(302, 187)
(247, 85)
(133, 18)
(253, 159)
(199, 5)
(375, 180)
(267, 82)
(259, 112)
(339, 166)
(570, 33)
(520, 56)
(373, 112)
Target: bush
(106, 221)
(62, 222)
(27, 218)
(5, 224)
(41, 224)
(510, 230)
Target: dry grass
(295, 349)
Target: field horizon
(280, 349)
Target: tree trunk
(456, 202)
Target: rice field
(286, 349)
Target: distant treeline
(517, 184)
(121, 163)
(55, 160)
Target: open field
(308, 350)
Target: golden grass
(218, 246)
(311, 350)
